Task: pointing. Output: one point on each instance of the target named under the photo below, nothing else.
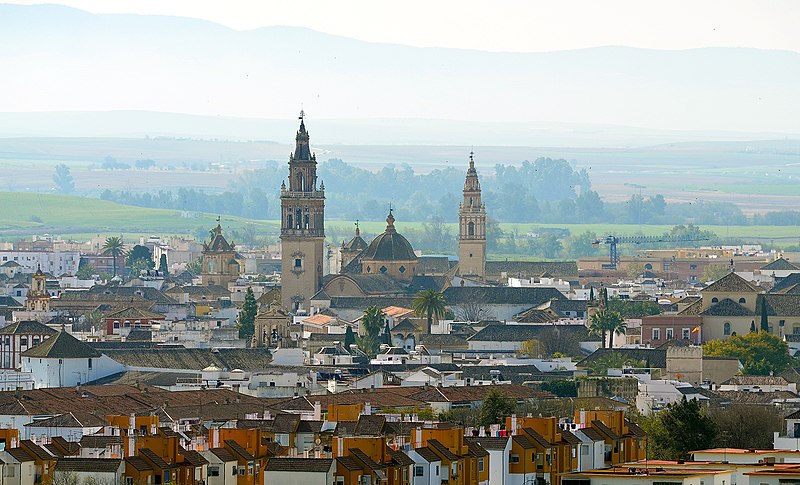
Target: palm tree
(372, 321)
(607, 322)
(114, 246)
(430, 304)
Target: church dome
(389, 246)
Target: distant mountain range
(137, 70)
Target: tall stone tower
(38, 299)
(472, 227)
(302, 227)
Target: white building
(64, 361)
(56, 263)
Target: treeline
(545, 190)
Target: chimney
(418, 438)
(513, 424)
(215, 437)
(367, 409)
(317, 411)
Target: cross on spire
(302, 114)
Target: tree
(613, 360)
(139, 265)
(65, 184)
(532, 348)
(473, 310)
(561, 387)
(372, 321)
(764, 316)
(760, 353)
(139, 252)
(430, 304)
(247, 315)
(387, 336)
(85, 271)
(162, 265)
(609, 322)
(679, 429)
(495, 408)
(367, 344)
(715, 271)
(634, 308)
(349, 338)
(114, 246)
(196, 266)
(746, 426)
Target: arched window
(726, 328)
(648, 266)
(289, 221)
(742, 301)
(471, 228)
(715, 300)
(299, 216)
(300, 182)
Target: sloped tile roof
(20, 455)
(474, 393)
(134, 313)
(489, 442)
(523, 441)
(238, 449)
(535, 436)
(427, 454)
(27, 327)
(223, 454)
(731, 282)
(370, 425)
(68, 420)
(501, 295)
(366, 459)
(569, 438)
(96, 465)
(782, 305)
(521, 333)
(349, 463)
(442, 450)
(603, 429)
(139, 463)
(62, 346)
(400, 457)
(780, 264)
(727, 308)
(307, 465)
(194, 359)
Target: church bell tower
(302, 227)
(472, 227)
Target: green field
(24, 214)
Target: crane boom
(612, 242)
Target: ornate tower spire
(302, 226)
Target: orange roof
(319, 319)
(396, 311)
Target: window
(23, 341)
(514, 458)
(234, 471)
(35, 341)
(402, 269)
(742, 300)
(715, 300)
(90, 364)
(298, 263)
(419, 471)
(383, 269)
(128, 480)
(656, 334)
(213, 471)
(692, 266)
(686, 333)
(242, 470)
(781, 323)
(339, 480)
(648, 266)
(726, 328)
(480, 464)
(437, 469)
(670, 334)
(471, 228)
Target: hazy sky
(509, 25)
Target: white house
(499, 448)
(89, 470)
(427, 467)
(64, 361)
